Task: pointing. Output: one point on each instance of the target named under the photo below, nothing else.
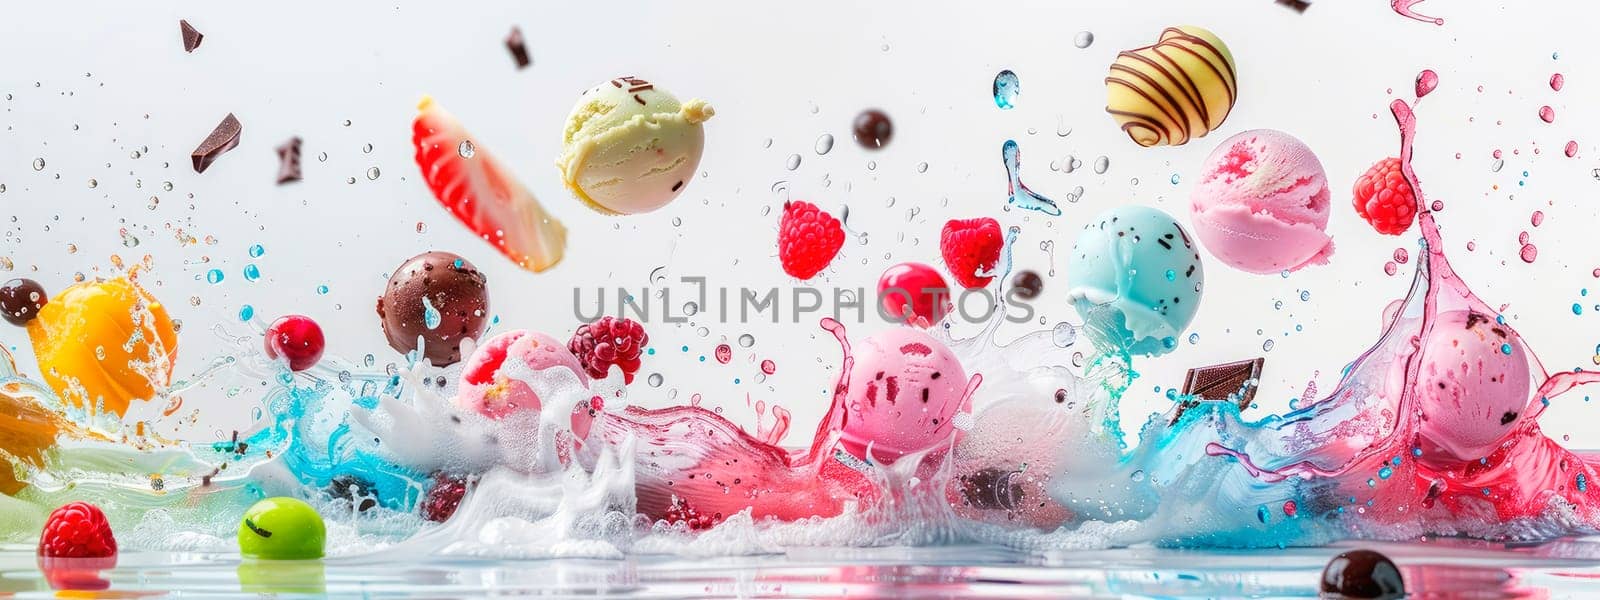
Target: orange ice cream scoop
(103, 344)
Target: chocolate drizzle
(1172, 107)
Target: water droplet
(1064, 334)
(257, 250)
(794, 162)
(1267, 345)
(1101, 165)
(214, 276)
(1083, 39)
(747, 340)
(691, 309)
(38, 164)
(166, 185)
(922, 167)
(1006, 89)
(655, 380)
(1547, 114)
(367, 149)
(347, 122)
(246, 312)
(465, 149)
(251, 272)
(128, 238)
(350, 180)
(422, 227)
(1572, 148)
(1529, 253)
(1427, 81)
(1021, 196)
(430, 315)
(322, 290)
(322, 157)
(824, 144)
(1495, 166)
(372, 173)
(1557, 81)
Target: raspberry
(77, 530)
(808, 239)
(681, 512)
(970, 246)
(443, 498)
(609, 341)
(297, 339)
(1383, 197)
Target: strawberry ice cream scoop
(903, 390)
(1261, 203)
(1473, 385)
(488, 383)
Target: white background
(91, 82)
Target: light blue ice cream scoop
(1136, 280)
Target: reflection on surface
(1438, 568)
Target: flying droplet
(794, 162)
(1083, 39)
(747, 340)
(1064, 334)
(1006, 89)
(372, 173)
(824, 144)
(1427, 81)
(1547, 114)
(1019, 194)
(465, 149)
(430, 315)
(1101, 165)
(38, 164)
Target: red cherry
(296, 338)
(917, 285)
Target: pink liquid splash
(1403, 7)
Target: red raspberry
(1383, 197)
(682, 512)
(443, 498)
(808, 239)
(970, 246)
(609, 341)
(77, 530)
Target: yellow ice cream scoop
(631, 147)
(1180, 88)
(102, 345)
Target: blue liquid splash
(1020, 195)
(1006, 90)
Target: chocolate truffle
(439, 297)
(1362, 574)
(20, 301)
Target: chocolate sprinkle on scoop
(289, 161)
(191, 36)
(519, 49)
(1216, 383)
(222, 139)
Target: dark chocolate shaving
(518, 48)
(222, 139)
(1216, 383)
(1297, 5)
(289, 161)
(191, 36)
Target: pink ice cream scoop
(903, 390)
(1261, 203)
(488, 390)
(1473, 385)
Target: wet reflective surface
(1440, 568)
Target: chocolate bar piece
(289, 161)
(191, 36)
(1217, 383)
(519, 49)
(222, 139)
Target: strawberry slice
(482, 194)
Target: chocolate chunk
(355, 490)
(222, 139)
(1297, 5)
(1363, 574)
(191, 36)
(1027, 284)
(289, 161)
(519, 49)
(992, 489)
(1217, 382)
